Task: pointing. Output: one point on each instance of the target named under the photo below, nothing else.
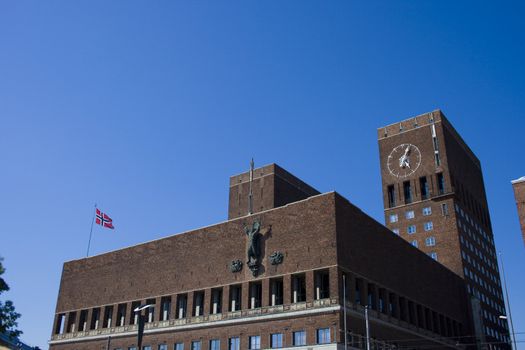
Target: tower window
(235, 298)
(423, 187)
(414, 243)
(393, 218)
(444, 209)
(198, 303)
(391, 196)
(407, 192)
(255, 294)
(430, 242)
(276, 291)
(409, 214)
(428, 226)
(411, 229)
(440, 183)
(216, 301)
(427, 211)
(298, 288)
(182, 301)
(322, 284)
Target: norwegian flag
(104, 220)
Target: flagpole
(91, 230)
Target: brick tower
(434, 198)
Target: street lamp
(140, 331)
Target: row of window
(361, 292)
(254, 342)
(408, 195)
(106, 317)
(409, 214)
(411, 229)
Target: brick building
(434, 198)
(519, 193)
(298, 272)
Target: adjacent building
(519, 193)
(291, 267)
(434, 198)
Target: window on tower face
(444, 209)
(440, 183)
(428, 226)
(407, 192)
(427, 211)
(391, 196)
(393, 218)
(430, 242)
(411, 229)
(414, 243)
(409, 214)
(423, 187)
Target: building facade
(519, 193)
(296, 273)
(434, 198)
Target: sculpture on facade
(253, 251)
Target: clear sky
(147, 107)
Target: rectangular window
(82, 322)
(430, 242)
(393, 218)
(428, 226)
(133, 316)
(276, 291)
(322, 284)
(108, 313)
(61, 320)
(146, 347)
(414, 243)
(132, 348)
(254, 342)
(196, 345)
(151, 310)
(276, 340)
(179, 346)
(198, 303)
(216, 301)
(163, 347)
(411, 229)
(396, 231)
(391, 196)
(440, 183)
(298, 288)
(71, 323)
(407, 192)
(323, 336)
(182, 302)
(95, 317)
(427, 211)
(255, 294)
(234, 343)
(444, 209)
(409, 214)
(235, 297)
(299, 338)
(165, 306)
(121, 315)
(215, 344)
(423, 187)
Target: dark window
(182, 302)
(391, 196)
(71, 322)
(276, 291)
(322, 284)
(437, 159)
(108, 314)
(235, 297)
(198, 303)
(407, 191)
(392, 305)
(255, 294)
(440, 183)
(444, 209)
(358, 291)
(133, 316)
(165, 308)
(298, 288)
(151, 310)
(59, 329)
(82, 322)
(216, 301)
(423, 187)
(371, 297)
(121, 315)
(95, 317)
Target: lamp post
(138, 311)
(367, 329)
(508, 301)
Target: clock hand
(406, 151)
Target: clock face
(403, 160)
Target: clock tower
(434, 198)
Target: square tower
(434, 198)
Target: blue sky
(147, 108)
